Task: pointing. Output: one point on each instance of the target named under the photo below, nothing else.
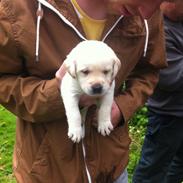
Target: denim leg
(160, 146)
(175, 172)
(123, 178)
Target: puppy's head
(94, 65)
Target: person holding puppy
(35, 38)
(162, 152)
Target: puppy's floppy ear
(70, 66)
(116, 67)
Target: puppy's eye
(106, 72)
(85, 72)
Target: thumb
(60, 73)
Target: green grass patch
(7, 138)
(137, 130)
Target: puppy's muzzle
(97, 88)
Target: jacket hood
(51, 7)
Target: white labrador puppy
(91, 69)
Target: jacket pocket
(121, 132)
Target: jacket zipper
(46, 4)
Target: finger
(60, 73)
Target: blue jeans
(161, 158)
(123, 178)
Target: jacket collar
(66, 12)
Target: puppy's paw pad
(76, 134)
(105, 128)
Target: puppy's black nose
(97, 88)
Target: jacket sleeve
(30, 98)
(140, 83)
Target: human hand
(60, 74)
(116, 116)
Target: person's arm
(29, 97)
(144, 77)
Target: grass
(137, 130)
(7, 137)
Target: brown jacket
(28, 88)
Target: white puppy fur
(91, 69)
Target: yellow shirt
(92, 28)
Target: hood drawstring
(147, 37)
(39, 17)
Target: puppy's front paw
(105, 128)
(76, 134)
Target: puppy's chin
(92, 93)
(97, 95)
